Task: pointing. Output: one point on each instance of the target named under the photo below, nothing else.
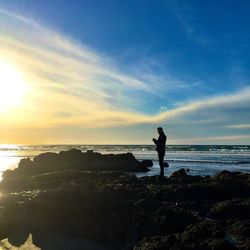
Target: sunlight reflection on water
(9, 161)
(201, 160)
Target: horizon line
(112, 144)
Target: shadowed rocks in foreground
(121, 211)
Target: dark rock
(75, 159)
(203, 235)
(156, 243)
(153, 217)
(47, 158)
(228, 176)
(54, 194)
(239, 233)
(231, 209)
(146, 163)
(165, 164)
(179, 173)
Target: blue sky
(183, 65)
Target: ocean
(200, 159)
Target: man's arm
(155, 141)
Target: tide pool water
(200, 159)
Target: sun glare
(12, 87)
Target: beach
(88, 200)
(124, 125)
(200, 159)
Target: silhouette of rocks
(147, 163)
(239, 233)
(75, 159)
(179, 173)
(120, 210)
(231, 209)
(204, 235)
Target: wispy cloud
(213, 139)
(239, 126)
(187, 18)
(65, 76)
(217, 106)
(73, 85)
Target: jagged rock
(55, 195)
(204, 235)
(146, 163)
(153, 217)
(75, 159)
(239, 233)
(156, 243)
(179, 173)
(231, 209)
(228, 176)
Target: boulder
(179, 173)
(122, 210)
(146, 163)
(75, 159)
(231, 209)
(238, 232)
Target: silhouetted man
(160, 148)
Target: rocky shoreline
(56, 195)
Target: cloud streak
(65, 76)
(239, 126)
(72, 85)
(187, 18)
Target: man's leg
(161, 163)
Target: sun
(12, 87)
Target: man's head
(160, 130)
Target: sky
(111, 72)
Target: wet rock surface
(120, 211)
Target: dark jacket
(161, 143)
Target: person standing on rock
(160, 148)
